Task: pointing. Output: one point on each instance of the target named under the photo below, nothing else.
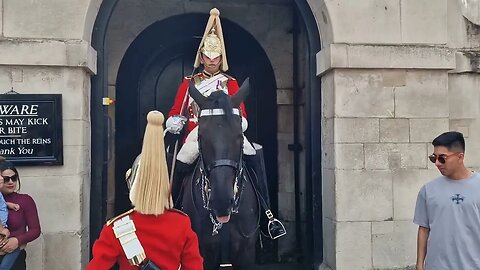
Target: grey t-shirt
(451, 209)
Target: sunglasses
(441, 158)
(12, 178)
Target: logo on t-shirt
(457, 198)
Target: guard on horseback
(183, 116)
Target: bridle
(205, 169)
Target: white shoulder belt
(124, 230)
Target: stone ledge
(467, 61)
(69, 53)
(324, 266)
(384, 56)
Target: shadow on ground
(283, 266)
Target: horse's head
(220, 141)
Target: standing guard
(152, 235)
(212, 55)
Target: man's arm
(179, 99)
(13, 206)
(191, 258)
(422, 238)
(106, 250)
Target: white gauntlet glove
(244, 124)
(175, 123)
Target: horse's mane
(220, 100)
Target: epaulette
(112, 220)
(198, 78)
(177, 211)
(192, 76)
(228, 76)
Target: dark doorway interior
(153, 67)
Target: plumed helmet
(212, 44)
(148, 178)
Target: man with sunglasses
(448, 210)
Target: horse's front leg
(243, 251)
(210, 251)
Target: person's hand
(244, 124)
(11, 245)
(5, 231)
(3, 242)
(13, 206)
(175, 123)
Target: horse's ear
(196, 95)
(241, 94)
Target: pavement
(282, 266)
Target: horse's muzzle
(223, 219)
(221, 208)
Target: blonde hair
(151, 194)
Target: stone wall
(60, 192)
(394, 76)
(43, 51)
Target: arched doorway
(154, 66)
(159, 69)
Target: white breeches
(189, 151)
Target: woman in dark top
(23, 224)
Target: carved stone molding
(471, 10)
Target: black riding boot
(257, 165)
(181, 170)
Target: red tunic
(176, 109)
(168, 241)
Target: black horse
(219, 195)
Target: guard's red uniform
(168, 241)
(232, 86)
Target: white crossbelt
(207, 86)
(212, 112)
(212, 84)
(124, 230)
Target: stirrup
(275, 227)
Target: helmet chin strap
(134, 183)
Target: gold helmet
(212, 44)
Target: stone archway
(149, 76)
(102, 155)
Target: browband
(213, 112)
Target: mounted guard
(184, 114)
